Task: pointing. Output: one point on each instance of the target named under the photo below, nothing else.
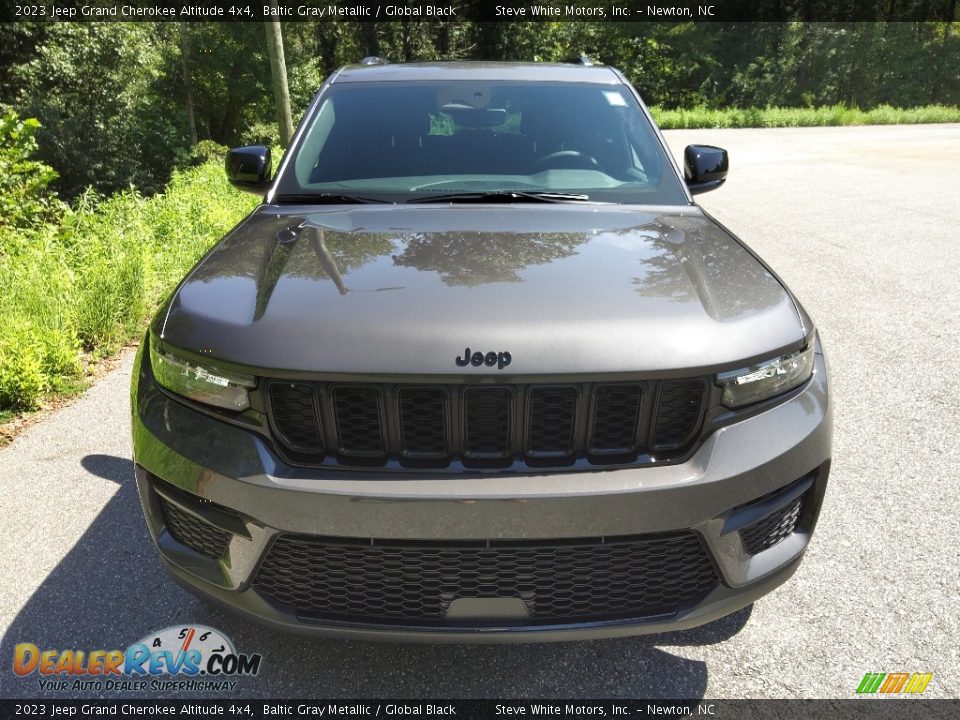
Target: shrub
(261, 134)
(205, 151)
(25, 199)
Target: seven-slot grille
(415, 582)
(486, 425)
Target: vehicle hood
(406, 289)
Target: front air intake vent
(188, 529)
(774, 528)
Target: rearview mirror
(704, 167)
(248, 168)
(470, 117)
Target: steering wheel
(573, 157)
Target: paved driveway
(864, 225)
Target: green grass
(701, 117)
(89, 285)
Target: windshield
(453, 141)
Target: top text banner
(482, 11)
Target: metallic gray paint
(471, 70)
(405, 289)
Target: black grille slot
(678, 413)
(616, 419)
(772, 529)
(357, 414)
(415, 582)
(487, 424)
(193, 532)
(295, 415)
(552, 419)
(423, 422)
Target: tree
(188, 80)
(278, 69)
(94, 89)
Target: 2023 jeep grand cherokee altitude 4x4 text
(478, 367)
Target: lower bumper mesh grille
(414, 583)
(772, 529)
(193, 532)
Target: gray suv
(478, 368)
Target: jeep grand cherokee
(478, 368)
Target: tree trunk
(407, 40)
(369, 39)
(326, 39)
(443, 40)
(278, 70)
(227, 125)
(188, 80)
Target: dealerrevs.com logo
(176, 658)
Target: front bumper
(230, 478)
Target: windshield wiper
(324, 199)
(503, 196)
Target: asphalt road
(864, 225)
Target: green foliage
(22, 379)
(18, 45)
(263, 133)
(38, 348)
(860, 64)
(93, 88)
(230, 77)
(206, 151)
(91, 283)
(839, 114)
(25, 200)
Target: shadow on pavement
(110, 590)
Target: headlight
(211, 386)
(766, 380)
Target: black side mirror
(248, 168)
(704, 167)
